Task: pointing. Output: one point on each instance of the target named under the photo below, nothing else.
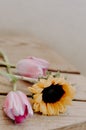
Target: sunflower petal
(51, 109)
(61, 108)
(56, 106)
(66, 100)
(34, 90)
(43, 108)
(36, 107)
(37, 98)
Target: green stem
(31, 80)
(3, 55)
(7, 64)
(14, 87)
(4, 64)
(14, 78)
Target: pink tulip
(32, 67)
(17, 106)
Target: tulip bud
(32, 67)
(17, 106)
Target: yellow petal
(51, 109)
(60, 81)
(35, 90)
(41, 85)
(47, 84)
(56, 106)
(37, 98)
(69, 90)
(61, 107)
(43, 108)
(32, 90)
(66, 100)
(36, 107)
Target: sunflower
(52, 95)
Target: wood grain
(78, 81)
(17, 48)
(73, 119)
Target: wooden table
(17, 48)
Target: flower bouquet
(51, 93)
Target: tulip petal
(43, 63)
(26, 102)
(9, 113)
(28, 68)
(17, 106)
(32, 67)
(20, 118)
(7, 106)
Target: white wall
(61, 23)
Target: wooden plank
(17, 48)
(78, 81)
(5, 86)
(73, 119)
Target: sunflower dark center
(52, 93)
